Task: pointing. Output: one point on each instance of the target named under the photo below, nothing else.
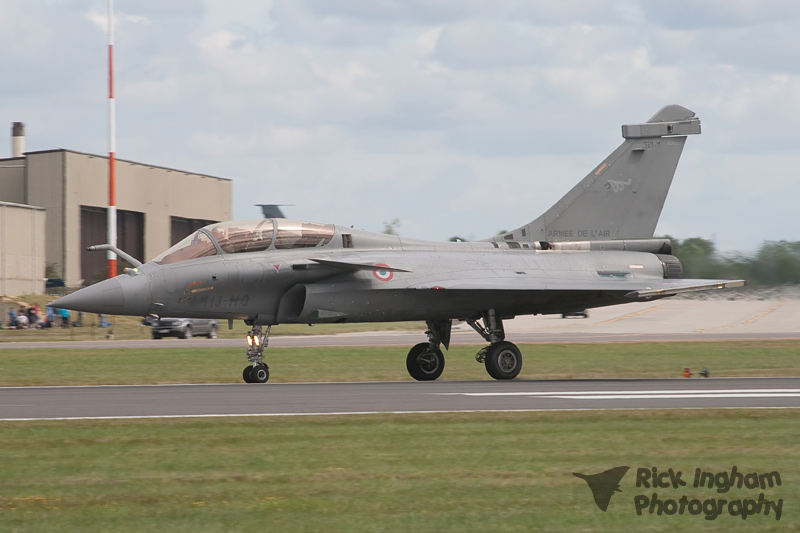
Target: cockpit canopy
(244, 236)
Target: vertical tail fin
(623, 196)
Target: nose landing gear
(257, 340)
(425, 361)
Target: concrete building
(156, 207)
(22, 250)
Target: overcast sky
(458, 117)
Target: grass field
(449, 472)
(444, 472)
(130, 328)
(40, 366)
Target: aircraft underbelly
(387, 305)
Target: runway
(676, 320)
(282, 399)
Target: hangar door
(183, 227)
(130, 238)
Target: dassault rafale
(593, 248)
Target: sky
(456, 117)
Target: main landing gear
(257, 340)
(425, 361)
(503, 359)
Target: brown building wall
(64, 181)
(12, 180)
(22, 249)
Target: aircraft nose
(122, 295)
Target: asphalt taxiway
(663, 320)
(176, 401)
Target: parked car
(576, 314)
(185, 328)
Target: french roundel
(383, 275)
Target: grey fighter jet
(593, 248)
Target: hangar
(21, 249)
(156, 207)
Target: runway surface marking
(361, 413)
(576, 324)
(631, 315)
(325, 399)
(639, 395)
(749, 322)
(765, 313)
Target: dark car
(185, 328)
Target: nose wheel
(256, 374)
(257, 341)
(425, 362)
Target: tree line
(774, 263)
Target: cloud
(441, 113)
(270, 140)
(239, 62)
(711, 14)
(100, 19)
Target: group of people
(31, 318)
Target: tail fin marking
(623, 196)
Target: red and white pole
(112, 203)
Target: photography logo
(604, 484)
(666, 492)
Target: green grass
(42, 366)
(130, 328)
(449, 472)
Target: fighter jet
(593, 248)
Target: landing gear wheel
(503, 360)
(257, 371)
(259, 374)
(425, 363)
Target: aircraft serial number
(217, 301)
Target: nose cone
(122, 295)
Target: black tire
(156, 336)
(424, 364)
(259, 374)
(213, 333)
(503, 360)
(188, 333)
(247, 374)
